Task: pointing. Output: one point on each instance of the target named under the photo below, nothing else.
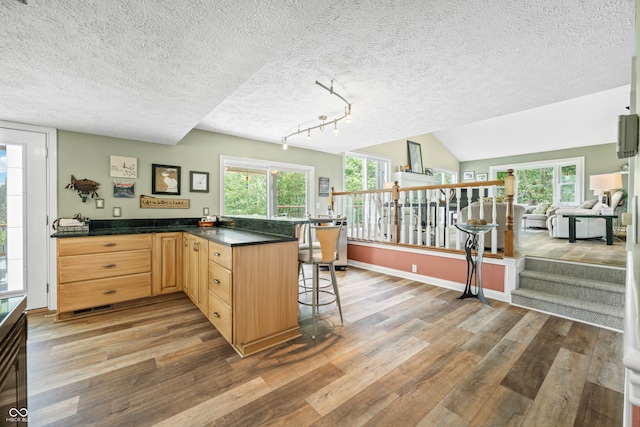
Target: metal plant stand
(475, 240)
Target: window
(365, 172)
(444, 176)
(266, 189)
(554, 181)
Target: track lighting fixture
(322, 118)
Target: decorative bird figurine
(85, 188)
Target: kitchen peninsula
(243, 281)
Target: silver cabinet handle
(216, 281)
(109, 265)
(215, 314)
(109, 291)
(109, 244)
(216, 254)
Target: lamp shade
(605, 182)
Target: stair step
(577, 270)
(606, 315)
(572, 287)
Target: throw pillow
(541, 209)
(597, 208)
(587, 204)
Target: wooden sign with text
(148, 202)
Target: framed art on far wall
(323, 190)
(165, 179)
(415, 156)
(468, 176)
(198, 182)
(481, 177)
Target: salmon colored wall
(635, 416)
(454, 270)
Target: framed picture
(415, 156)
(198, 182)
(428, 171)
(324, 186)
(165, 179)
(123, 167)
(468, 176)
(124, 189)
(482, 177)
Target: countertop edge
(253, 237)
(7, 323)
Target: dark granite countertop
(221, 234)
(10, 311)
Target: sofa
(586, 228)
(537, 216)
(501, 220)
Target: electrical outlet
(414, 268)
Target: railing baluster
(458, 216)
(429, 225)
(494, 220)
(447, 218)
(419, 238)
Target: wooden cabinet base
(99, 310)
(247, 349)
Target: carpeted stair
(584, 292)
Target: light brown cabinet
(99, 271)
(248, 292)
(253, 294)
(220, 289)
(195, 270)
(167, 263)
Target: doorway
(26, 195)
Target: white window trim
(557, 165)
(269, 165)
(441, 170)
(364, 156)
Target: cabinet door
(202, 277)
(167, 263)
(186, 264)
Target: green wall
(598, 159)
(87, 156)
(434, 154)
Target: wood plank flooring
(408, 354)
(536, 242)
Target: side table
(608, 223)
(475, 240)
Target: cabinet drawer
(220, 254)
(94, 293)
(220, 315)
(220, 281)
(101, 244)
(87, 267)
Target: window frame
(269, 167)
(365, 158)
(557, 165)
(441, 171)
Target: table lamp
(603, 184)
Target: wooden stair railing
(395, 198)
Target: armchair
(537, 216)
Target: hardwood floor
(408, 354)
(536, 242)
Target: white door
(25, 259)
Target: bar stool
(321, 248)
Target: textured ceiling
(154, 70)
